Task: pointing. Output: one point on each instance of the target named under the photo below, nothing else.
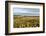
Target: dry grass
(26, 21)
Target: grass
(26, 21)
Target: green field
(26, 21)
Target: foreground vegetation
(26, 21)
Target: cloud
(26, 11)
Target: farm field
(26, 21)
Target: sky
(26, 11)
